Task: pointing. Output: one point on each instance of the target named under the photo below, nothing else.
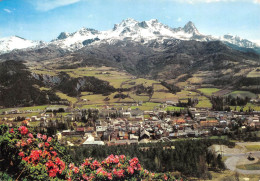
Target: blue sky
(45, 19)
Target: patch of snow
(14, 42)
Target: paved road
(233, 160)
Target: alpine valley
(135, 62)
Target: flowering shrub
(38, 157)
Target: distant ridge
(129, 29)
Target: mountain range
(149, 33)
(179, 58)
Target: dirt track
(238, 156)
(241, 159)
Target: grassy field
(138, 98)
(242, 94)
(208, 91)
(173, 108)
(145, 82)
(204, 102)
(253, 147)
(94, 99)
(44, 89)
(254, 73)
(138, 81)
(159, 87)
(195, 80)
(68, 98)
(33, 108)
(115, 78)
(255, 166)
(148, 106)
(164, 96)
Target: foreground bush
(30, 156)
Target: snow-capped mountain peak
(148, 30)
(191, 28)
(15, 42)
(238, 41)
(63, 35)
(144, 32)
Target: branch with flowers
(38, 157)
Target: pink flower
(21, 154)
(23, 143)
(30, 135)
(130, 170)
(44, 137)
(76, 170)
(122, 157)
(53, 173)
(39, 135)
(49, 139)
(109, 176)
(95, 164)
(116, 160)
(23, 130)
(165, 177)
(29, 141)
(40, 145)
(119, 173)
(46, 144)
(54, 153)
(49, 164)
(71, 165)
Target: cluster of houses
(136, 126)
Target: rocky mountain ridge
(144, 32)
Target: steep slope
(176, 58)
(19, 88)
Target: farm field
(138, 98)
(173, 108)
(253, 147)
(66, 97)
(208, 91)
(254, 73)
(242, 94)
(148, 106)
(159, 88)
(95, 99)
(33, 108)
(164, 96)
(204, 102)
(254, 166)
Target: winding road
(233, 160)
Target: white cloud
(179, 19)
(7, 10)
(257, 1)
(46, 5)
